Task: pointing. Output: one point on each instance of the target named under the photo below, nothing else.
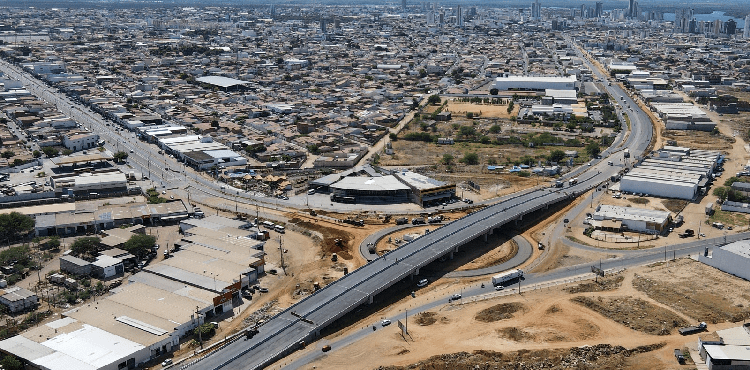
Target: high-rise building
(599, 9)
(273, 11)
(730, 27)
(459, 16)
(682, 19)
(583, 11)
(323, 25)
(746, 33)
(536, 10)
(403, 4)
(633, 11)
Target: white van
(279, 229)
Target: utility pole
(281, 252)
(197, 317)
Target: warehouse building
(733, 258)
(674, 172)
(635, 219)
(683, 116)
(535, 83)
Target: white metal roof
(730, 352)
(382, 183)
(89, 346)
(221, 81)
(631, 213)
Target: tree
(86, 246)
(50, 151)
(494, 91)
(593, 149)
(556, 155)
(470, 158)
(8, 154)
(121, 156)
(139, 244)
(393, 136)
(510, 107)
(67, 152)
(447, 159)
(36, 154)
(10, 362)
(14, 224)
(434, 99)
(495, 129)
(721, 192)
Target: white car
(385, 322)
(423, 282)
(167, 362)
(499, 287)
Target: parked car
(385, 322)
(423, 282)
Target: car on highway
(167, 362)
(423, 282)
(455, 297)
(499, 288)
(385, 322)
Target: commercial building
(426, 191)
(634, 219)
(377, 189)
(17, 299)
(365, 185)
(535, 83)
(80, 141)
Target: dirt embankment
(334, 240)
(601, 356)
(634, 313)
(499, 312)
(603, 285)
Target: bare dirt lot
(700, 292)
(545, 326)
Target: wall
(728, 262)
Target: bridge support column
(369, 299)
(485, 237)
(492, 231)
(451, 255)
(416, 272)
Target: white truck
(572, 181)
(506, 276)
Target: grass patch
(635, 313)
(728, 218)
(638, 200)
(627, 119)
(674, 205)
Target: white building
(80, 141)
(63, 351)
(732, 258)
(535, 83)
(18, 299)
(635, 219)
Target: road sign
(402, 327)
